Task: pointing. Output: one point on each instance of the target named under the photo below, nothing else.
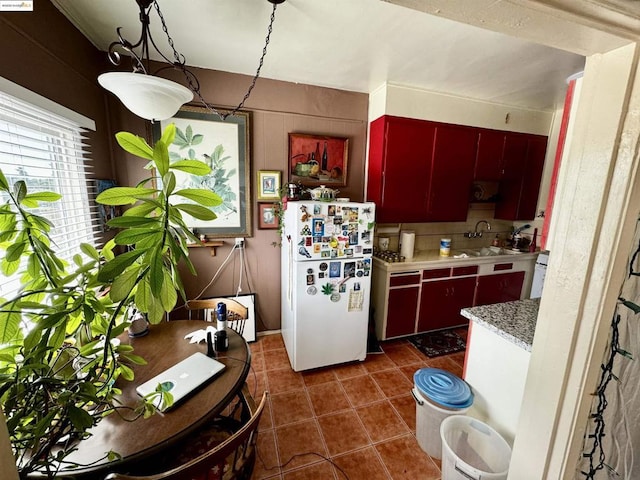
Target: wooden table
(163, 347)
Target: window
(46, 150)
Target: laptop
(183, 378)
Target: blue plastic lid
(443, 387)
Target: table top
(162, 348)
(515, 321)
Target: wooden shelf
(212, 244)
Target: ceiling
(354, 45)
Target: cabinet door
(399, 176)
(505, 287)
(523, 164)
(488, 165)
(454, 155)
(514, 160)
(401, 313)
(441, 302)
(536, 152)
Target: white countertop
(432, 259)
(514, 321)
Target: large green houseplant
(58, 361)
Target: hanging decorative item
(153, 97)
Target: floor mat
(434, 344)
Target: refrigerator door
(331, 311)
(330, 230)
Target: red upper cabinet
(523, 162)
(400, 152)
(421, 171)
(454, 154)
(488, 166)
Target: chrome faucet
(477, 233)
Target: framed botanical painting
(268, 185)
(318, 160)
(224, 146)
(267, 215)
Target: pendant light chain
(194, 84)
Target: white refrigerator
(326, 281)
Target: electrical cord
(220, 268)
(300, 455)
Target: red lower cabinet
(504, 287)
(401, 313)
(441, 302)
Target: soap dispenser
(496, 241)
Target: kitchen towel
(408, 240)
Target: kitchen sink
(489, 251)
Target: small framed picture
(268, 185)
(267, 215)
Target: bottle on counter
(496, 241)
(221, 340)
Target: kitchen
(577, 224)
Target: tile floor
(360, 415)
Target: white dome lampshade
(149, 97)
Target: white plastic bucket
(472, 450)
(429, 416)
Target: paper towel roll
(408, 240)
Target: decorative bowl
(323, 193)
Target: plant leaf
(197, 211)
(134, 145)
(194, 167)
(123, 195)
(4, 184)
(156, 277)
(44, 196)
(9, 325)
(143, 295)
(115, 267)
(80, 418)
(131, 221)
(169, 134)
(20, 190)
(169, 181)
(161, 157)
(90, 251)
(203, 197)
(143, 209)
(123, 284)
(134, 235)
(168, 295)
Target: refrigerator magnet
(335, 297)
(305, 215)
(310, 279)
(306, 231)
(312, 290)
(323, 267)
(334, 270)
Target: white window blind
(48, 151)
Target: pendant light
(150, 96)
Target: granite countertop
(514, 321)
(432, 258)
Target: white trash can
(472, 450)
(438, 395)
